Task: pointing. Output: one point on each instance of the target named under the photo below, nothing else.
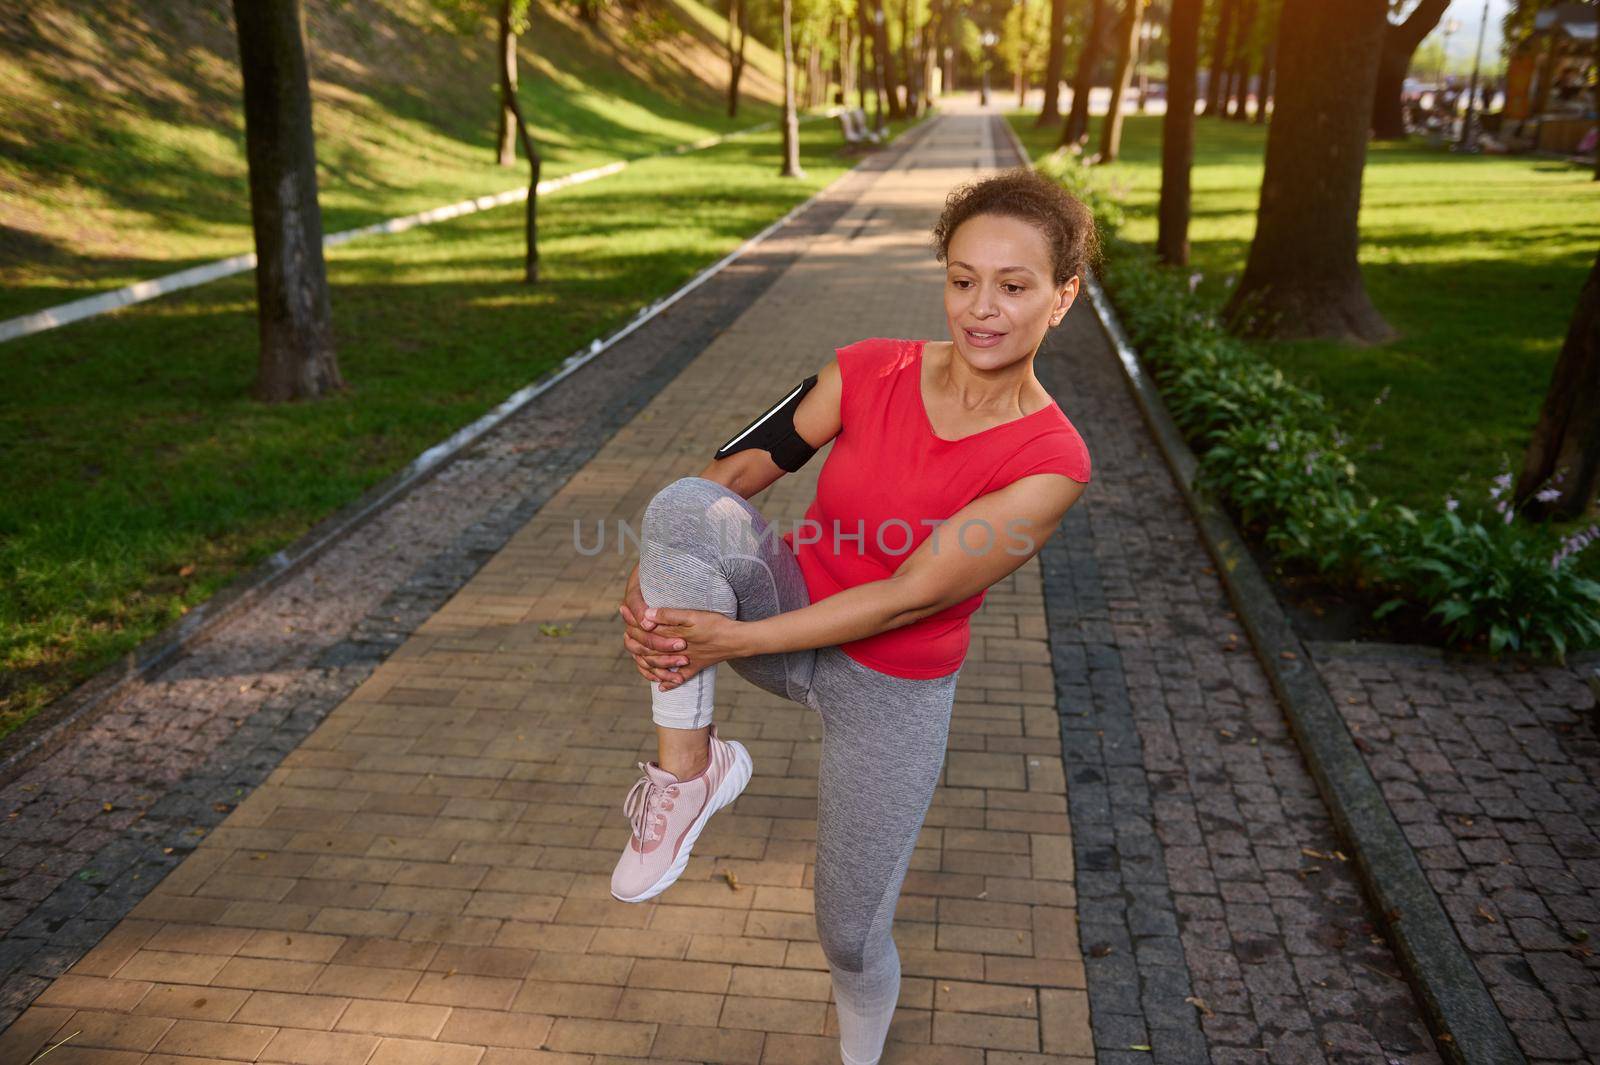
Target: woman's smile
(983, 338)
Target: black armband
(774, 432)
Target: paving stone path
(423, 877)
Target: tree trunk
(1054, 60)
(293, 318)
(883, 57)
(1269, 48)
(791, 121)
(1141, 67)
(1394, 61)
(906, 79)
(508, 100)
(736, 32)
(808, 85)
(1239, 81)
(1302, 278)
(861, 58)
(1566, 439)
(948, 27)
(1127, 41)
(849, 77)
(508, 69)
(930, 52)
(1219, 57)
(1076, 129)
(1177, 132)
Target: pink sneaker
(668, 815)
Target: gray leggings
(703, 546)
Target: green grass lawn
(1476, 260)
(139, 170)
(141, 477)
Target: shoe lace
(646, 807)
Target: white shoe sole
(732, 785)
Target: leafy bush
(1273, 451)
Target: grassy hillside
(122, 152)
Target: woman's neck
(1006, 393)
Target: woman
(863, 616)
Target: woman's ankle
(684, 753)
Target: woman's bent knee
(686, 493)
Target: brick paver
(1492, 770)
(425, 878)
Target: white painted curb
(138, 292)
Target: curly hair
(1025, 194)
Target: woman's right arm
(749, 472)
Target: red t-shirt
(890, 479)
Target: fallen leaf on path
(1326, 856)
(1200, 1004)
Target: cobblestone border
(1467, 1026)
(84, 907)
(1133, 956)
(48, 730)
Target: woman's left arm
(980, 544)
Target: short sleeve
(861, 368)
(1058, 451)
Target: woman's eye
(1013, 289)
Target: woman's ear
(1064, 299)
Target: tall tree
(737, 33)
(512, 20)
(1302, 278)
(1566, 439)
(1394, 61)
(507, 133)
(1269, 49)
(883, 56)
(865, 75)
(791, 123)
(1177, 132)
(1127, 43)
(1219, 56)
(294, 320)
(1239, 79)
(907, 71)
(1076, 129)
(1050, 112)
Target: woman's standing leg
(703, 547)
(883, 749)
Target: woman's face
(998, 294)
